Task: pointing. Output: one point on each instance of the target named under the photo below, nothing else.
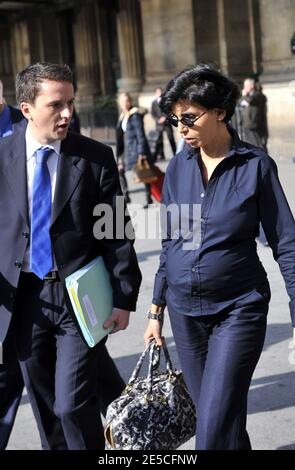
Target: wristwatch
(155, 316)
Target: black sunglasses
(185, 120)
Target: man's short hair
(28, 81)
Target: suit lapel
(69, 172)
(15, 170)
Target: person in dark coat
(252, 114)
(162, 125)
(132, 144)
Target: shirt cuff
(292, 311)
(160, 287)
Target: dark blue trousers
(11, 387)
(60, 371)
(218, 355)
(110, 386)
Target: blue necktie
(41, 251)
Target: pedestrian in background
(252, 114)
(162, 125)
(131, 143)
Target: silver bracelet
(155, 316)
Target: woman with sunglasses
(210, 276)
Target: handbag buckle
(149, 397)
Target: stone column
(278, 25)
(169, 41)
(206, 26)
(235, 40)
(130, 46)
(87, 60)
(107, 81)
(21, 56)
(6, 72)
(223, 52)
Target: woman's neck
(219, 147)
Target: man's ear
(26, 109)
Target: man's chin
(61, 134)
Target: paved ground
(271, 399)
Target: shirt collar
(238, 146)
(33, 145)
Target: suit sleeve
(117, 248)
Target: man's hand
(120, 318)
(141, 158)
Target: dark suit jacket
(86, 176)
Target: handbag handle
(153, 363)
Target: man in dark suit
(110, 382)
(252, 114)
(46, 171)
(161, 126)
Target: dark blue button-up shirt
(217, 265)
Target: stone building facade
(136, 45)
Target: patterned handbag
(154, 412)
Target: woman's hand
(153, 331)
(154, 328)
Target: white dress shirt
(32, 145)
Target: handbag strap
(154, 360)
(138, 366)
(167, 359)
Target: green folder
(91, 295)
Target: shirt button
(17, 264)
(193, 270)
(202, 195)
(25, 234)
